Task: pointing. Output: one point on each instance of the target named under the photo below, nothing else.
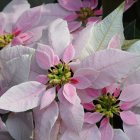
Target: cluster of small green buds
(107, 105)
(59, 74)
(5, 40)
(85, 13)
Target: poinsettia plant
(68, 71)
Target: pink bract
(82, 12)
(121, 105)
(77, 13)
(21, 24)
(62, 78)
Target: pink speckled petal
(106, 131)
(48, 97)
(74, 25)
(129, 117)
(69, 53)
(42, 79)
(71, 17)
(69, 93)
(92, 118)
(127, 95)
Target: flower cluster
(64, 74)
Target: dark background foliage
(33, 3)
(131, 18)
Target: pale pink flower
(62, 77)
(82, 12)
(21, 25)
(48, 89)
(109, 104)
(77, 12)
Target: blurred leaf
(131, 31)
(131, 14)
(4, 117)
(50, 1)
(109, 6)
(137, 33)
(3, 3)
(39, 2)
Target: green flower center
(85, 13)
(5, 40)
(107, 105)
(59, 74)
